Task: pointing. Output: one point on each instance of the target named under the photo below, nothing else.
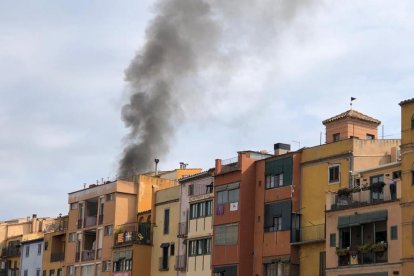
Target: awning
(358, 219)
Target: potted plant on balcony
(342, 251)
(344, 192)
(365, 248)
(379, 246)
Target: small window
(190, 190)
(27, 250)
(277, 223)
(74, 206)
(334, 174)
(396, 175)
(394, 234)
(110, 197)
(109, 230)
(59, 272)
(72, 237)
(38, 272)
(52, 272)
(46, 245)
(336, 137)
(332, 240)
(44, 273)
(39, 249)
(412, 122)
(69, 270)
(412, 175)
(166, 221)
(25, 273)
(370, 136)
(172, 249)
(106, 266)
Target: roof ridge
(352, 113)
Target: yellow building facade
(329, 167)
(165, 231)
(53, 259)
(407, 181)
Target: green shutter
(278, 166)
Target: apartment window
(228, 196)
(277, 223)
(27, 250)
(172, 249)
(109, 230)
(332, 240)
(322, 263)
(396, 175)
(72, 237)
(46, 245)
(412, 175)
(38, 272)
(334, 174)
(69, 270)
(394, 233)
(110, 197)
(377, 187)
(25, 272)
(270, 269)
(45, 273)
(370, 136)
(106, 266)
(412, 122)
(336, 137)
(39, 249)
(226, 234)
(74, 206)
(201, 209)
(52, 272)
(166, 221)
(200, 247)
(273, 181)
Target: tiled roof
(407, 101)
(352, 114)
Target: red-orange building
(234, 214)
(276, 213)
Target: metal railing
(362, 196)
(181, 262)
(88, 255)
(11, 251)
(57, 226)
(163, 264)
(182, 229)
(354, 257)
(57, 257)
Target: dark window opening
(336, 137)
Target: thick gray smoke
(185, 38)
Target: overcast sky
(62, 87)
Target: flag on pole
(352, 98)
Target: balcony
(308, 234)
(163, 264)
(362, 196)
(88, 255)
(58, 226)
(134, 233)
(90, 221)
(181, 263)
(362, 255)
(11, 251)
(182, 229)
(57, 257)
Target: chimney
(156, 166)
(183, 165)
(281, 148)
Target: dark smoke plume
(185, 38)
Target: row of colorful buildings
(341, 208)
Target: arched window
(412, 122)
